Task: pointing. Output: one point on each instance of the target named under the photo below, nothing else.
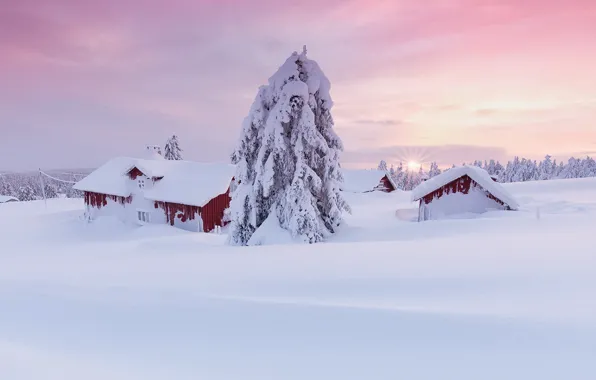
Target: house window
(143, 216)
(141, 183)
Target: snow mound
(270, 232)
(7, 198)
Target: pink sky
(448, 80)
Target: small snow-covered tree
(6, 187)
(392, 171)
(382, 165)
(527, 170)
(434, 170)
(589, 167)
(571, 170)
(490, 167)
(73, 193)
(419, 177)
(513, 170)
(545, 168)
(399, 176)
(288, 158)
(172, 149)
(499, 169)
(26, 193)
(410, 180)
(560, 169)
(50, 191)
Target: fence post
(43, 189)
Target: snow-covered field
(507, 295)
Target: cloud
(387, 122)
(402, 72)
(590, 153)
(486, 112)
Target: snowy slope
(508, 295)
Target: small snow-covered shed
(460, 190)
(363, 181)
(189, 195)
(7, 198)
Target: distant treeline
(517, 170)
(28, 186)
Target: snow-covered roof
(184, 182)
(479, 175)
(108, 178)
(155, 168)
(361, 180)
(192, 183)
(7, 198)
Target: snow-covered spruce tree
(434, 170)
(399, 176)
(382, 165)
(499, 169)
(26, 193)
(6, 187)
(172, 149)
(572, 169)
(419, 177)
(246, 211)
(50, 191)
(545, 168)
(560, 170)
(288, 158)
(589, 167)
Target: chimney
(153, 152)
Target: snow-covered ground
(507, 295)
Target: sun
(413, 165)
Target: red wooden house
(364, 181)
(461, 190)
(189, 195)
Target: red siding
(460, 185)
(385, 185)
(134, 173)
(98, 200)
(177, 210)
(212, 213)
